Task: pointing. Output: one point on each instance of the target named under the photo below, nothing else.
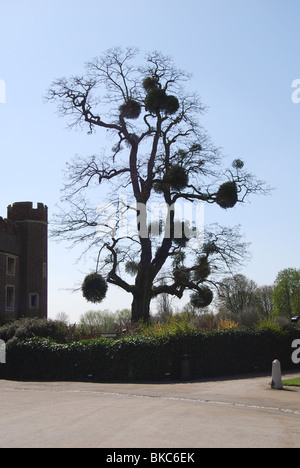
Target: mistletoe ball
(202, 299)
(94, 288)
(130, 109)
(227, 195)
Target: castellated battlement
(24, 211)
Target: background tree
(296, 302)
(163, 309)
(96, 322)
(63, 317)
(286, 292)
(264, 301)
(159, 153)
(236, 294)
(123, 317)
(242, 300)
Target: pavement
(241, 412)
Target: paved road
(242, 412)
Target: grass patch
(291, 383)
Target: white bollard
(2, 352)
(276, 376)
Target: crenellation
(23, 211)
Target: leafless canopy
(159, 154)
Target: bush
(25, 328)
(150, 354)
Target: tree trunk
(140, 309)
(142, 294)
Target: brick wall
(24, 237)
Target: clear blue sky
(243, 54)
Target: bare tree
(164, 309)
(160, 154)
(264, 299)
(236, 294)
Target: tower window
(34, 301)
(10, 266)
(10, 298)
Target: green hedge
(144, 358)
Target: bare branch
(160, 151)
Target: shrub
(267, 324)
(150, 353)
(226, 323)
(26, 328)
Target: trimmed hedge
(147, 358)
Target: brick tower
(9, 270)
(32, 224)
